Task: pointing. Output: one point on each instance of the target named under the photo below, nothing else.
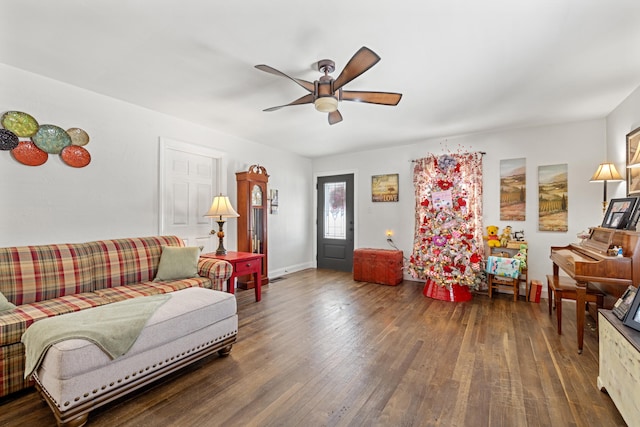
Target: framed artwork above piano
(633, 162)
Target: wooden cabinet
(252, 223)
(620, 365)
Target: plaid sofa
(48, 280)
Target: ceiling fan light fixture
(326, 104)
(326, 92)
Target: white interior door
(189, 179)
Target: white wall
(117, 194)
(621, 121)
(580, 145)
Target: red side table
(243, 263)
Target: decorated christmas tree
(446, 247)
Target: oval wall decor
(51, 139)
(75, 156)
(29, 154)
(78, 136)
(45, 139)
(22, 124)
(8, 140)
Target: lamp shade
(221, 207)
(606, 172)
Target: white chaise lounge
(76, 376)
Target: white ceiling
(463, 66)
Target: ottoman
(76, 376)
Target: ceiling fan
(325, 93)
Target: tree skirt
(457, 293)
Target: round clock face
(256, 196)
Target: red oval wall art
(29, 154)
(75, 156)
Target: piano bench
(562, 287)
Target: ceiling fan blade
(307, 99)
(382, 98)
(335, 117)
(364, 59)
(267, 69)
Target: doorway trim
(356, 204)
(187, 147)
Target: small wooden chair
(496, 282)
(562, 287)
(499, 279)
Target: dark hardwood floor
(323, 350)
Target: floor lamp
(606, 172)
(221, 208)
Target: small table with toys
(509, 244)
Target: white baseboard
(290, 269)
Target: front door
(335, 222)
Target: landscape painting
(513, 189)
(553, 203)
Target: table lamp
(221, 208)
(605, 172)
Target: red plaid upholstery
(49, 280)
(13, 323)
(38, 273)
(121, 262)
(120, 293)
(12, 369)
(218, 272)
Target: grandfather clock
(252, 223)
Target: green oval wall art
(22, 124)
(51, 139)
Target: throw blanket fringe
(113, 327)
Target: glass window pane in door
(335, 224)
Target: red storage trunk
(383, 266)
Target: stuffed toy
(522, 256)
(492, 237)
(505, 237)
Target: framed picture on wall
(273, 198)
(513, 189)
(633, 162)
(553, 200)
(384, 188)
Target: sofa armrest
(217, 270)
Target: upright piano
(590, 264)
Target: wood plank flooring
(323, 350)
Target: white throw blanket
(113, 327)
